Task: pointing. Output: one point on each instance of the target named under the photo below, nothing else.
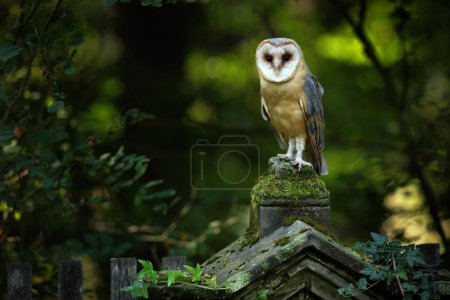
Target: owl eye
(286, 57)
(269, 58)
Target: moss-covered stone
(301, 186)
(313, 223)
(285, 181)
(250, 238)
(239, 280)
(282, 241)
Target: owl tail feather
(324, 169)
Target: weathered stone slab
(271, 218)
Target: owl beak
(277, 68)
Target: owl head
(278, 59)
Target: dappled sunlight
(200, 111)
(409, 220)
(342, 46)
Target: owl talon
(283, 156)
(301, 162)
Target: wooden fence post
(70, 280)
(173, 262)
(19, 281)
(123, 272)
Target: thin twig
(362, 291)
(21, 25)
(12, 28)
(402, 291)
(29, 65)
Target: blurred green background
(191, 65)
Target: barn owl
(291, 102)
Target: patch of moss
(265, 265)
(282, 241)
(250, 238)
(291, 219)
(318, 226)
(303, 185)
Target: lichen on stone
(238, 280)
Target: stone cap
(284, 182)
(285, 193)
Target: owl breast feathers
(291, 101)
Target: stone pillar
(284, 195)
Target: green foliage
(262, 294)
(137, 289)
(196, 273)
(154, 3)
(51, 168)
(148, 277)
(395, 265)
(173, 275)
(147, 272)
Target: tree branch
(398, 101)
(29, 65)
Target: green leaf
(362, 283)
(378, 238)
(371, 271)
(137, 289)
(262, 294)
(57, 105)
(69, 69)
(164, 194)
(212, 281)
(196, 272)
(7, 133)
(147, 271)
(347, 290)
(402, 275)
(8, 51)
(173, 275)
(410, 287)
(110, 2)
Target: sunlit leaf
(195, 272)
(57, 105)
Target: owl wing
(282, 141)
(314, 119)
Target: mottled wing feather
(282, 141)
(314, 120)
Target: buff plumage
(291, 102)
